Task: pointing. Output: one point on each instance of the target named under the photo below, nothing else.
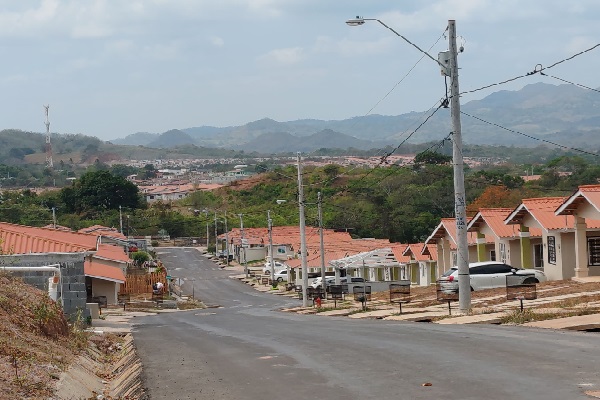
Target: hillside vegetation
(36, 343)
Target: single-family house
(557, 251)
(445, 239)
(584, 207)
(104, 265)
(513, 244)
(421, 264)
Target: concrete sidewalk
(578, 323)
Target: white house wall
(101, 287)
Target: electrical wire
(530, 136)
(569, 82)
(535, 71)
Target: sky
(109, 68)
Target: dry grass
(36, 343)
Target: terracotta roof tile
(114, 253)
(589, 193)
(21, 239)
(494, 218)
(543, 211)
(95, 268)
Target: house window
(594, 250)
(492, 255)
(538, 256)
(454, 258)
(551, 250)
(502, 252)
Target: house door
(538, 256)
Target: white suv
(488, 275)
(278, 266)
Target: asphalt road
(247, 349)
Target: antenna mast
(49, 163)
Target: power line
(529, 136)
(535, 71)
(569, 82)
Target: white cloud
(289, 56)
(217, 41)
(579, 43)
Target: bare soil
(36, 342)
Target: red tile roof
(97, 269)
(113, 253)
(543, 211)
(494, 219)
(585, 193)
(447, 226)
(399, 253)
(415, 251)
(100, 230)
(21, 239)
(430, 250)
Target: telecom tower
(49, 163)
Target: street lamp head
(280, 201)
(355, 21)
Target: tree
(431, 157)
(139, 257)
(100, 190)
(495, 197)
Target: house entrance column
(524, 235)
(481, 255)
(581, 261)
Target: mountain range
(565, 114)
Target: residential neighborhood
(250, 200)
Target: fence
(139, 284)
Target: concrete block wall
(73, 277)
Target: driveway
(247, 349)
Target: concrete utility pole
(324, 284)
(216, 252)
(226, 240)
(54, 217)
(270, 225)
(302, 234)
(207, 230)
(242, 242)
(464, 282)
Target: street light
(451, 70)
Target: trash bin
(94, 310)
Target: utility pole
(242, 242)
(324, 283)
(207, 230)
(464, 283)
(216, 253)
(302, 234)
(121, 219)
(270, 225)
(226, 240)
(54, 217)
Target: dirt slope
(36, 343)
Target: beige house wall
(109, 289)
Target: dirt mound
(36, 343)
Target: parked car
(489, 275)
(281, 275)
(278, 266)
(330, 280)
